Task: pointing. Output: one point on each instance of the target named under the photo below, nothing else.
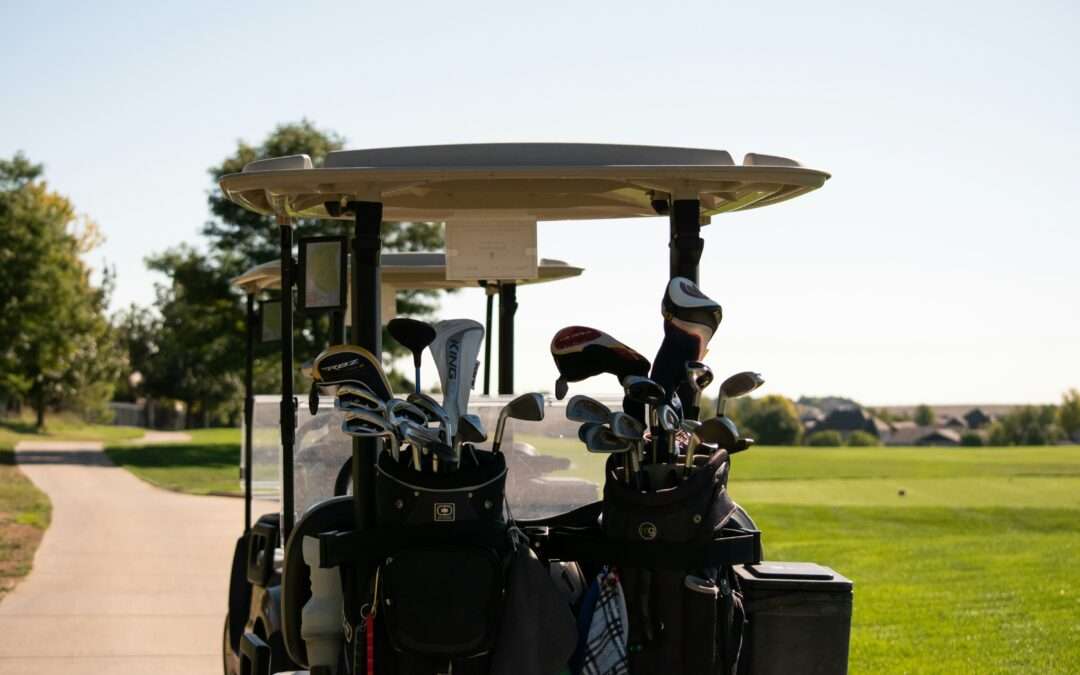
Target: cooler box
(798, 619)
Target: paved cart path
(128, 578)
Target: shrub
(863, 439)
(821, 439)
(771, 420)
(971, 440)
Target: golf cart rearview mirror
(270, 321)
(321, 278)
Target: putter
(739, 384)
(690, 320)
(629, 428)
(581, 352)
(528, 407)
(412, 335)
(581, 408)
(455, 348)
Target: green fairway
(207, 464)
(971, 570)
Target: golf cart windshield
(550, 471)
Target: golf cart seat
(332, 514)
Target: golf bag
(684, 617)
(442, 579)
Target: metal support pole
(288, 402)
(249, 407)
(337, 328)
(507, 308)
(685, 247)
(686, 243)
(489, 294)
(366, 333)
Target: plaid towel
(605, 652)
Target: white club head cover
(455, 349)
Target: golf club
(420, 438)
(342, 364)
(581, 408)
(739, 384)
(471, 429)
(434, 412)
(398, 411)
(690, 319)
(718, 431)
(455, 348)
(698, 377)
(690, 427)
(369, 425)
(413, 335)
(648, 393)
(581, 352)
(669, 421)
(356, 397)
(631, 429)
(528, 407)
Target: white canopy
(548, 181)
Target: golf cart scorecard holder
(483, 183)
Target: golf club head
(471, 429)
(581, 352)
(399, 411)
(419, 434)
(600, 439)
(742, 444)
(413, 335)
(581, 408)
(583, 430)
(348, 363)
(643, 390)
(667, 417)
(698, 375)
(690, 319)
(718, 431)
(739, 384)
(356, 397)
(455, 348)
(527, 407)
(627, 427)
(370, 425)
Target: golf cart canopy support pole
(367, 333)
(507, 308)
(686, 243)
(489, 296)
(288, 402)
(249, 406)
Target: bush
(971, 440)
(825, 439)
(771, 420)
(862, 439)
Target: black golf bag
(440, 584)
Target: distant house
(916, 435)
(849, 420)
(976, 418)
(956, 423)
(810, 417)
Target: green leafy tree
(924, 416)
(1027, 425)
(56, 345)
(1068, 414)
(138, 333)
(770, 420)
(971, 440)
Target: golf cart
(422, 569)
(254, 594)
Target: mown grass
(207, 464)
(970, 570)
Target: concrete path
(128, 578)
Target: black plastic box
(798, 619)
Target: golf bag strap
(583, 516)
(370, 546)
(733, 547)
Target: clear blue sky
(939, 264)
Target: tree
(56, 345)
(825, 439)
(924, 416)
(1027, 425)
(770, 420)
(1068, 414)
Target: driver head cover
(349, 363)
(455, 348)
(581, 352)
(690, 311)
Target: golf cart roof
(408, 270)
(548, 181)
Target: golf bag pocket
(473, 493)
(442, 600)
